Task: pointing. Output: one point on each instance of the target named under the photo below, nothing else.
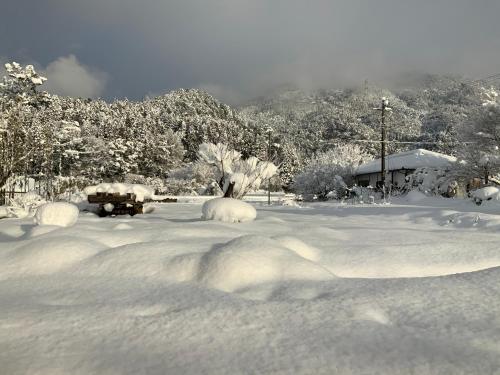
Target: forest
(68, 143)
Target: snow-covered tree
(19, 102)
(221, 157)
(21, 82)
(329, 171)
(248, 175)
(481, 156)
(236, 176)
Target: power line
(407, 142)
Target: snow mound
(46, 256)
(60, 213)
(142, 192)
(415, 196)
(228, 210)
(487, 193)
(253, 260)
(299, 247)
(123, 226)
(136, 260)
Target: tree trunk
(229, 191)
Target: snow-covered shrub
(330, 171)
(432, 181)
(59, 213)
(24, 205)
(228, 210)
(488, 193)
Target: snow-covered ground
(407, 288)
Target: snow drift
(228, 210)
(46, 256)
(248, 261)
(60, 213)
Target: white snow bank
(142, 192)
(228, 210)
(252, 260)
(299, 247)
(60, 213)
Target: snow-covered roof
(413, 159)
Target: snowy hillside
(323, 289)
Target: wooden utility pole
(383, 109)
(269, 131)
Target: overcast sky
(240, 48)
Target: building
(400, 165)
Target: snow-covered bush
(330, 171)
(228, 210)
(432, 181)
(59, 213)
(24, 205)
(488, 193)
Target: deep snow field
(405, 288)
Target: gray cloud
(241, 48)
(67, 76)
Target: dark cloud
(240, 48)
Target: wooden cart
(122, 204)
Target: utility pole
(269, 132)
(383, 109)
